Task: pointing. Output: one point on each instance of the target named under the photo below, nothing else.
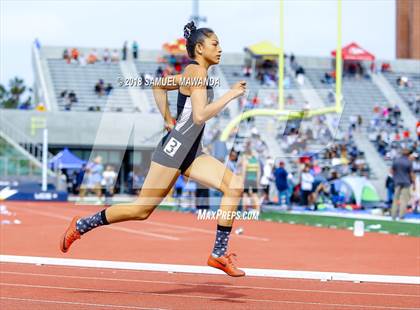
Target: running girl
(180, 152)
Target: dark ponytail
(194, 36)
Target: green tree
(11, 99)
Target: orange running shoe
(226, 264)
(70, 235)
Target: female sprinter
(180, 151)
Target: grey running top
(184, 120)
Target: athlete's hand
(238, 89)
(169, 125)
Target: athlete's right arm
(160, 93)
(203, 111)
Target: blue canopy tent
(66, 160)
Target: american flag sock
(86, 224)
(222, 239)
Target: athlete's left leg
(210, 172)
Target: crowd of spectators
(75, 56)
(387, 131)
(413, 102)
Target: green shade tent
(360, 189)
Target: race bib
(172, 146)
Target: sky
(310, 26)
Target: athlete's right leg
(158, 183)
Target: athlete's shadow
(209, 289)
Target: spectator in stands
(386, 67)
(100, 88)
(299, 73)
(115, 56)
(402, 171)
(72, 96)
(328, 79)
(106, 56)
(159, 72)
(75, 54)
(373, 67)
(66, 55)
(290, 100)
(124, 51)
(255, 100)
(135, 48)
(82, 60)
(353, 122)
(108, 89)
(292, 59)
(247, 71)
(92, 57)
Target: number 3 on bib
(172, 146)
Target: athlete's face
(211, 50)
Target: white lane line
(302, 280)
(275, 273)
(206, 231)
(48, 287)
(207, 285)
(129, 230)
(76, 303)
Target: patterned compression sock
(222, 239)
(86, 224)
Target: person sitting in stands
(99, 88)
(75, 54)
(66, 55)
(159, 72)
(106, 56)
(108, 89)
(72, 96)
(82, 60)
(92, 57)
(115, 56)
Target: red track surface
(175, 238)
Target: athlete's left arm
(160, 93)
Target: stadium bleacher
(82, 80)
(407, 93)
